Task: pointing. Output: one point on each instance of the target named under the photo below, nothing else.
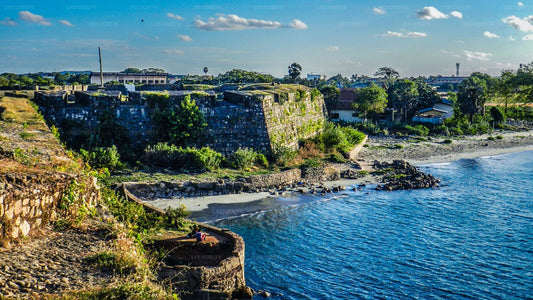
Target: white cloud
(297, 24)
(184, 38)
(491, 35)
(175, 17)
(173, 51)
(475, 55)
(332, 48)
(413, 34)
(528, 37)
(33, 18)
(430, 13)
(66, 23)
(233, 22)
(379, 11)
(8, 22)
(520, 4)
(456, 14)
(511, 38)
(525, 24)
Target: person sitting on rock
(193, 231)
(200, 236)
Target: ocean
(471, 238)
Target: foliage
(283, 155)
(180, 124)
(472, 96)
(338, 138)
(387, 73)
(109, 261)
(371, 99)
(295, 70)
(403, 96)
(331, 96)
(102, 157)
(498, 117)
(312, 163)
(246, 158)
(416, 130)
(131, 291)
(178, 158)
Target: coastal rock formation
(400, 175)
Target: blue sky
(325, 36)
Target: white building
(316, 76)
(146, 78)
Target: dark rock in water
(245, 292)
(400, 175)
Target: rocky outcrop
(400, 175)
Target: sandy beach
(416, 152)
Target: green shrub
(283, 155)
(499, 137)
(102, 157)
(447, 141)
(243, 158)
(312, 163)
(491, 138)
(338, 138)
(336, 157)
(261, 160)
(111, 262)
(170, 156)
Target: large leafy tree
(403, 97)
(427, 96)
(132, 70)
(338, 80)
(331, 96)
(387, 73)
(472, 96)
(371, 99)
(295, 70)
(177, 123)
(187, 122)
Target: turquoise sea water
(472, 238)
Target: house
(343, 110)
(435, 114)
(146, 78)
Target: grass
(28, 138)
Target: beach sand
(378, 148)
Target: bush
(243, 158)
(336, 157)
(283, 155)
(447, 141)
(312, 163)
(335, 137)
(170, 156)
(102, 157)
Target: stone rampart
(263, 118)
(29, 202)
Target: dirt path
(52, 264)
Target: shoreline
(211, 208)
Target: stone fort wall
(261, 118)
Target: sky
(417, 38)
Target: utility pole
(101, 73)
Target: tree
(131, 70)
(427, 96)
(403, 96)
(371, 99)
(150, 70)
(387, 73)
(295, 70)
(498, 117)
(206, 70)
(331, 96)
(61, 78)
(339, 81)
(187, 122)
(472, 96)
